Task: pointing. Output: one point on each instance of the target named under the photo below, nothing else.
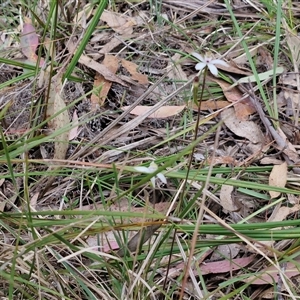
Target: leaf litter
(130, 109)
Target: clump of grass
(100, 230)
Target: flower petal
(198, 56)
(143, 170)
(153, 167)
(153, 181)
(219, 62)
(162, 177)
(213, 69)
(200, 66)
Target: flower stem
(195, 96)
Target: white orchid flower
(210, 62)
(151, 169)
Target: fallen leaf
(108, 47)
(163, 112)
(264, 58)
(288, 79)
(291, 98)
(283, 212)
(29, 42)
(226, 199)
(117, 22)
(246, 129)
(235, 69)
(55, 105)
(217, 160)
(278, 178)
(101, 84)
(243, 108)
(243, 59)
(101, 69)
(272, 293)
(211, 105)
(215, 267)
(229, 251)
(293, 42)
(270, 161)
(82, 15)
(132, 69)
(224, 266)
(270, 274)
(174, 69)
(74, 131)
(279, 214)
(289, 149)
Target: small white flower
(151, 169)
(210, 62)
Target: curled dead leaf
(163, 112)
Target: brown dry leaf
(226, 251)
(293, 199)
(100, 68)
(242, 59)
(224, 266)
(243, 108)
(288, 79)
(216, 267)
(112, 64)
(132, 69)
(278, 178)
(226, 198)
(234, 69)
(90, 63)
(293, 42)
(108, 47)
(272, 293)
(217, 160)
(29, 41)
(57, 104)
(270, 274)
(174, 69)
(99, 84)
(246, 129)
(264, 58)
(291, 98)
(211, 105)
(163, 112)
(82, 15)
(279, 213)
(74, 131)
(289, 149)
(270, 161)
(282, 212)
(117, 22)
